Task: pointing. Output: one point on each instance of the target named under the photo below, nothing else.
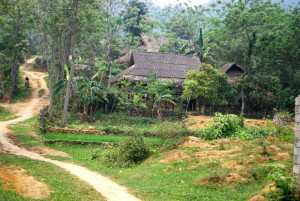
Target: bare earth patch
(47, 151)
(198, 122)
(217, 154)
(15, 179)
(230, 179)
(175, 156)
(192, 141)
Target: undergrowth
(232, 126)
(285, 187)
(131, 151)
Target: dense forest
(260, 36)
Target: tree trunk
(187, 106)
(73, 45)
(50, 88)
(50, 77)
(203, 109)
(14, 74)
(243, 102)
(2, 81)
(159, 116)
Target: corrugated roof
(167, 66)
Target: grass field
(94, 138)
(220, 169)
(63, 185)
(191, 178)
(120, 124)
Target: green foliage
(132, 151)
(209, 85)
(159, 92)
(260, 91)
(223, 126)
(95, 153)
(135, 12)
(1, 93)
(111, 140)
(6, 114)
(280, 131)
(232, 126)
(130, 97)
(286, 188)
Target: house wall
(233, 74)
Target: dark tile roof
(165, 66)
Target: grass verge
(6, 114)
(63, 185)
(25, 132)
(181, 179)
(94, 138)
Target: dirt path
(110, 190)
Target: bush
(284, 132)
(286, 188)
(222, 127)
(132, 151)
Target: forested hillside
(262, 37)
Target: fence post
(296, 168)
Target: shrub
(286, 188)
(284, 132)
(222, 127)
(94, 154)
(133, 150)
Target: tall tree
(135, 12)
(13, 38)
(73, 32)
(208, 86)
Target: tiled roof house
(164, 65)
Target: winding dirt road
(110, 190)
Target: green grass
(94, 138)
(181, 179)
(22, 92)
(46, 78)
(6, 114)
(63, 185)
(120, 124)
(178, 180)
(24, 132)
